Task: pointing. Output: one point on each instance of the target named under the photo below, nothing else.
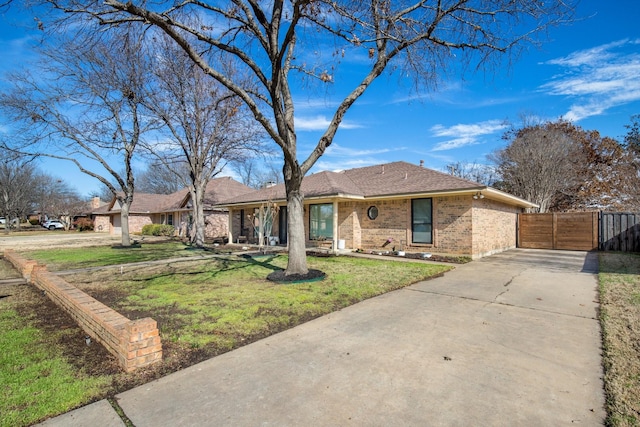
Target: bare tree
(538, 163)
(18, 179)
(273, 40)
(56, 199)
(208, 126)
(632, 138)
(255, 176)
(483, 174)
(158, 179)
(84, 107)
(560, 166)
(632, 142)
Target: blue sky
(587, 72)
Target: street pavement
(508, 340)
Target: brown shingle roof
(218, 189)
(221, 189)
(405, 178)
(390, 179)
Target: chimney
(421, 163)
(95, 202)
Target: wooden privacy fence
(619, 231)
(584, 231)
(558, 230)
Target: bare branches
(207, 125)
(560, 166)
(270, 42)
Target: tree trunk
(124, 223)
(197, 196)
(297, 241)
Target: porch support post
(230, 230)
(335, 226)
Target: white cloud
(461, 135)
(343, 164)
(315, 104)
(321, 122)
(338, 157)
(338, 150)
(598, 79)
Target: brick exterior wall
(494, 227)
(461, 226)
(135, 343)
(349, 230)
(102, 224)
(136, 222)
(392, 223)
(216, 224)
(453, 225)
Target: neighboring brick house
(395, 205)
(173, 209)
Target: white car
(3, 221)
(53, 224)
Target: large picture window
(321, 221)
(421, 221)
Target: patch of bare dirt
(66, 335)
(94, 359)
(7, 271)
(22, 241)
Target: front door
(282, 225)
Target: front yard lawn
(222, 303)
(43, 369)
(97, 256)
(620, 319)
(204, 307)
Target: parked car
(14, 221)
(53, 224)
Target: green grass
(97, 256)
(227, 302)
(619, 281)
(204, 307)
(35, 380)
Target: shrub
(147, 229)
(158, 230)
(84, 224)
(33, 221)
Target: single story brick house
(173, 209)
(397, 206)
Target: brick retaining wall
(136, 343)
(23, 265)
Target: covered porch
(265, 224)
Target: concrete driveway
(509, 340)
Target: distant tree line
(25, 190)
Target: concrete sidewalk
(511, 339)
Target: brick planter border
(135, 343)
